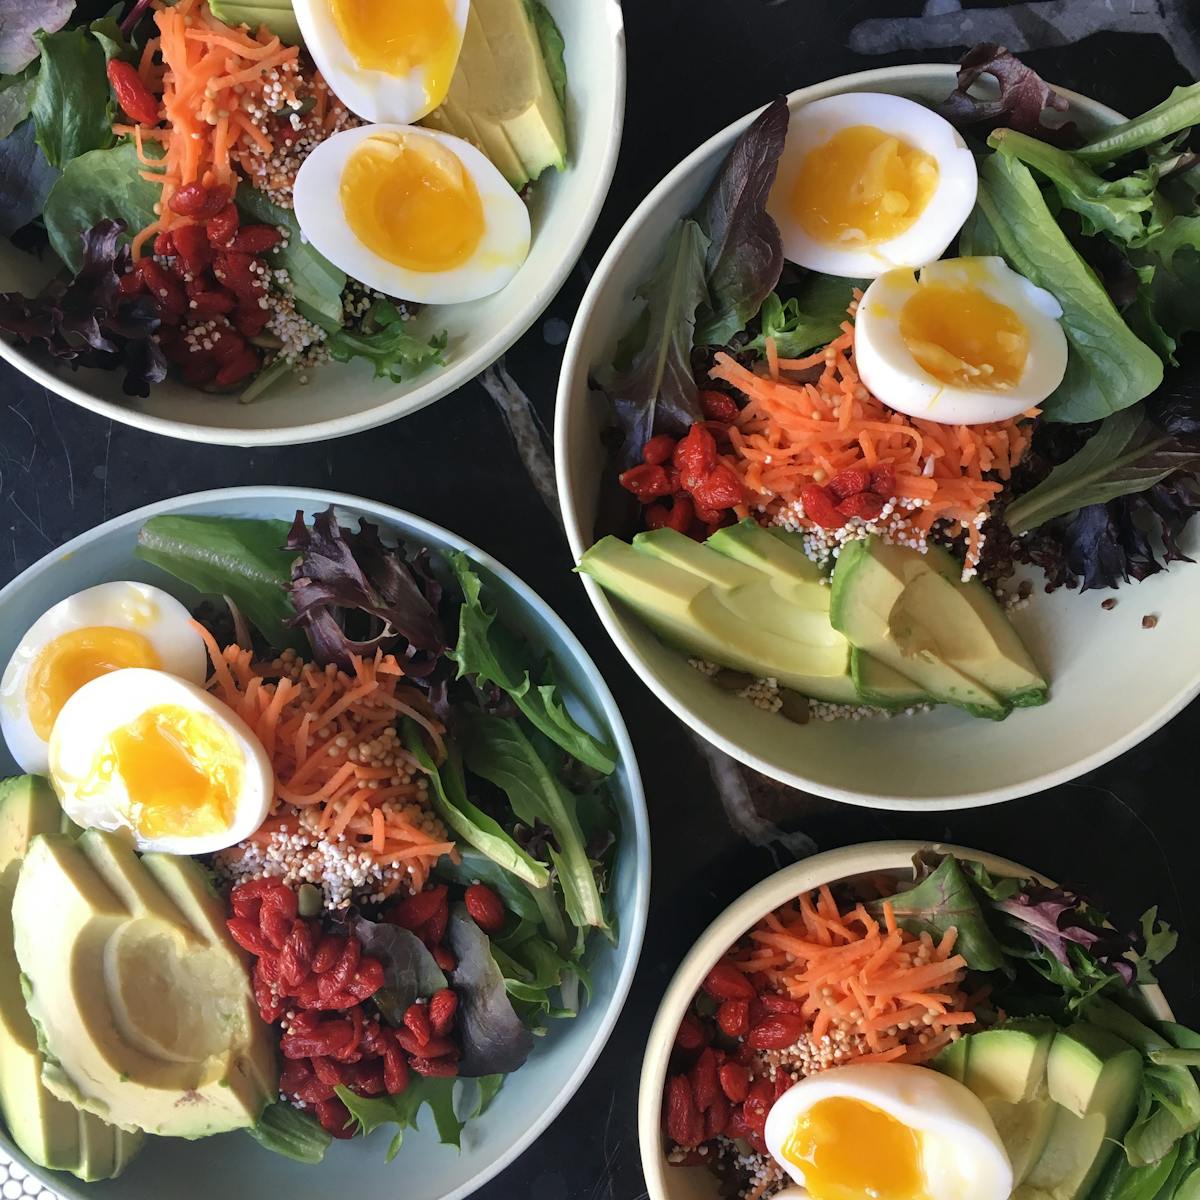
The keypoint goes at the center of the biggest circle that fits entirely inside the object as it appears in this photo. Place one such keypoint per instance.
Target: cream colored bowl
(1112, 682)
(667, 1182)
(344, 399)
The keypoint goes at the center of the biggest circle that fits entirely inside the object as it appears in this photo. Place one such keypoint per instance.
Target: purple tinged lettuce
(19, 21)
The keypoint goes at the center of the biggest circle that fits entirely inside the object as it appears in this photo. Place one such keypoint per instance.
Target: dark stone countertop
(1126, 831)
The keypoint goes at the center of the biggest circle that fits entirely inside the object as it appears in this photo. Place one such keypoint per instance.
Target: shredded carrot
(793, 432)
(334, 771)
(890, 995)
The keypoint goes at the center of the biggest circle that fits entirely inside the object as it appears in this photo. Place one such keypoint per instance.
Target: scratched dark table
(1127, 831)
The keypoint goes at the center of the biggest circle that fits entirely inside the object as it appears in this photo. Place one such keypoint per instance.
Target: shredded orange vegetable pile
(314, 728)
(794, 433)
(209, 78)
(837, 964)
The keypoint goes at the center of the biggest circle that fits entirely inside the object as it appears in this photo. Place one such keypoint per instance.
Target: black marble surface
(1128, 831)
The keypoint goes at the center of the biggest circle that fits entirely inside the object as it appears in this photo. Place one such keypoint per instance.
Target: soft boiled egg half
(145, 753)
(386, 60)
(868, 182)
(888, 1131)
(89, 634)
(963, 342)
(413, 213)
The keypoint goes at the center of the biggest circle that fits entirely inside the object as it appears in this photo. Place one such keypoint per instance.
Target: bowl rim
(828, 867)
(571, 400)
(436, 387)
(633, 927)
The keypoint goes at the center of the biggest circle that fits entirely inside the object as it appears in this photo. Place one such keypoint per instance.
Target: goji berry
(695, 456)
(719, 489)
(199, 370)
(414, 911)
(820, 508)
(327, 1071)
(432, 1047)
(444, 958)
(164, 244)
(165, 288)
(196, 200)
(221, 228)
(134, 97)
(681, 514)
(734, 1080)
(705, 1087)
(773, 1003)
(131, 284)
(236, 272)
(777, 1032)
(206, 305)
(883, 480)
(692, 1034)
(445, 1068)
(866, 505)
(733, 1017)
(328, 953)
(737, 1126)
(684, 1124)
(646, 481)
(443, 1005)
(368, 979)
(191, 245)
(416, 1021)
(367, 1078)
(250, 318)
(849, 482)
(334, 1117)
(240, 368)
(726, 982)
(657, 516)
(255, 239)
(658, 449)
(248, 935)
(718, 406)
(485, 908)
(716, 1118)
(435, 928)
(758, 1103)
(395, 1070)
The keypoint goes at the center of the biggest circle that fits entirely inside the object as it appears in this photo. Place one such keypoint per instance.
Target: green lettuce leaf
(1109, 368)
(498, 750)
(469, 822)
(1179, 111)
(72, 107)
(476, 867)
(16, 100)
(229, 556)
(491, 653)
(383, 339)
(810, 317)
(285, 1130)
(99, 185)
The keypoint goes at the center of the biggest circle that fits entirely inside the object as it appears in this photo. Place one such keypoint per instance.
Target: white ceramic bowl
(235, 1167)
(1112, 682)
(339, 399)
(667, 1182)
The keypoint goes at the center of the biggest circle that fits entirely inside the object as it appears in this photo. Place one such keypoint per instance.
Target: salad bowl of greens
(535, 1000)
(336, 345)
(1076, 552)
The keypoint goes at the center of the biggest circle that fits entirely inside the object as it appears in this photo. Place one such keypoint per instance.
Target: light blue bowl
(232, 1167)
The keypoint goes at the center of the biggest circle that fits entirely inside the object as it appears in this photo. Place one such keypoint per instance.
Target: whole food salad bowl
(262, 224)
(359, 847)
(902, 1019)
(904, 395)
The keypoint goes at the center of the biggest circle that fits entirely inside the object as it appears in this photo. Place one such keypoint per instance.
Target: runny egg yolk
(409, 199)
(398, 37)
(72, 659)
(181, 770)
(849, 1149)
(963, 337)
(863, 186)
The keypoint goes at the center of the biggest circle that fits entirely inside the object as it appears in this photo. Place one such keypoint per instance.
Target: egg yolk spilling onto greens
(72, 659)
(410, 200)
(863, 186)
(963, 337)
(848, 1149)
(181, 771)
(398, 37)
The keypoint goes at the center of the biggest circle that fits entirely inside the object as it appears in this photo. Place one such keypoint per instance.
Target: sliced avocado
(871, 605)
(952, 1060)
(750, 543)
(508, 85)
(276, 15)
(1094, 1078)
(993, 651)
(142, 1019)
(744, 623)
(48, 1130)
(880, 685)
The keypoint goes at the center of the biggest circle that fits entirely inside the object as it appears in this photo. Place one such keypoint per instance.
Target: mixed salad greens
(158, 154)
(1051, 1076)
(420, 882)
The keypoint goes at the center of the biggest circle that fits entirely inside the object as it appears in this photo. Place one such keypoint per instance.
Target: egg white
(113, 701)
(928, 236)
(161, 619)
(962, 1156)
(373, 95)
(887, 368)
(498, 257)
